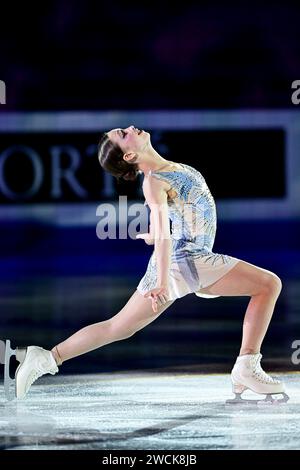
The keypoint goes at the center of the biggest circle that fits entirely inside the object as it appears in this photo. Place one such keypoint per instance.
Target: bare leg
(257, 318)
(263, 287)
(135, 315)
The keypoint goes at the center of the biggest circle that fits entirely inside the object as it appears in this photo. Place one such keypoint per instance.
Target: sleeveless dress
(193, 228)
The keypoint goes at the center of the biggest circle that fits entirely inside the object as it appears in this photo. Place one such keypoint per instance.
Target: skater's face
(130, 140)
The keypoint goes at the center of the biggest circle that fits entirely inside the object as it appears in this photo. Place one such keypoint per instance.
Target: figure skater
(181, 263)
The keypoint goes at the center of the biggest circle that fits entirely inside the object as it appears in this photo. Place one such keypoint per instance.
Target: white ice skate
(248, 374)
(37, 362)
(34, 362)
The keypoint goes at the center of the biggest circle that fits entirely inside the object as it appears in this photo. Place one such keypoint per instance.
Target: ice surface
(146, 410)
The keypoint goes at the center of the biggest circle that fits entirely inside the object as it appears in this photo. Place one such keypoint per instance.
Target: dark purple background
(131, 55)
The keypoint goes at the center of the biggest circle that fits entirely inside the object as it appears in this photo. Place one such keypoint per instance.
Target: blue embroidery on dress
(190, 240)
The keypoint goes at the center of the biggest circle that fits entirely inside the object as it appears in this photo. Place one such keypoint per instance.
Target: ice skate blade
(5, 355)
(268, 400)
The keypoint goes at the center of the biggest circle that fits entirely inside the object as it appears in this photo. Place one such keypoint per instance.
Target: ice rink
(137, 410)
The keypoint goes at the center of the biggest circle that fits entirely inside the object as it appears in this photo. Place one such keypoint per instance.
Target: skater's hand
(158, 296)
(146, 237)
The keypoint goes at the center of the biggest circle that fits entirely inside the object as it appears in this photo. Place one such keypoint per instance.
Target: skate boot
(35, 363)
(248, 374)
(6, 353)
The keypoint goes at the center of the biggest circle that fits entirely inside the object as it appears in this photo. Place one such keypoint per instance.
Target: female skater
(182, 262)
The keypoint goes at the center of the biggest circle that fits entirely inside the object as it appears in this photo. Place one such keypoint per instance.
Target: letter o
(38, 172)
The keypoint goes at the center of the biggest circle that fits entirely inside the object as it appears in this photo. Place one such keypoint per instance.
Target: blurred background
(213, 83)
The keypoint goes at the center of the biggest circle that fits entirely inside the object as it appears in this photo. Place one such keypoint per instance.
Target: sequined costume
(193, 228)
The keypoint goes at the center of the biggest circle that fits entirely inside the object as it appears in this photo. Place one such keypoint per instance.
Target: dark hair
(111, 159)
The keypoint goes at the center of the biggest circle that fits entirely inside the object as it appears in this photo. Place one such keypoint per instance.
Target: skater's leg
(257, 318)
(135, 315)
(263, 287)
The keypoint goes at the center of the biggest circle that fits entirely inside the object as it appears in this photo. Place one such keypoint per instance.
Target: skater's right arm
(156, 196)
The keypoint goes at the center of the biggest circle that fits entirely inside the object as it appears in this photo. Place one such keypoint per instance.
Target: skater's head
(120, 150)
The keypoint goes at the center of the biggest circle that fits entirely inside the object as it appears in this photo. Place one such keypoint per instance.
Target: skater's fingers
(142, 235)
(163, 293)
(146, 237)
(153, 297)
(151, 292)
(162, 298)
(154, 303)
(157, 296)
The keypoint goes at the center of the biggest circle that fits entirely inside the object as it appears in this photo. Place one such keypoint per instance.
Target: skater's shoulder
(155, 190)
(152, 185)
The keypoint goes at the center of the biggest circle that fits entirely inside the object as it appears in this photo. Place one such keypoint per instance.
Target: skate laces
(259, 373)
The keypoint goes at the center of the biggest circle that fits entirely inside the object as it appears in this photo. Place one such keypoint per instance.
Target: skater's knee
(271, 284)
(120, 331)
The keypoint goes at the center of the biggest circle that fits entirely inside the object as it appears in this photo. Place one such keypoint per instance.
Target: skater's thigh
(244, 279)
(137, 312)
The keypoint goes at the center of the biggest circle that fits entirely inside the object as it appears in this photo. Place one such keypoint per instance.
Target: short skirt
(190, 274)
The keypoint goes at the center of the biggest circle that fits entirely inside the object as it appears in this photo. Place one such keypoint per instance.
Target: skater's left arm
(148, 237)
